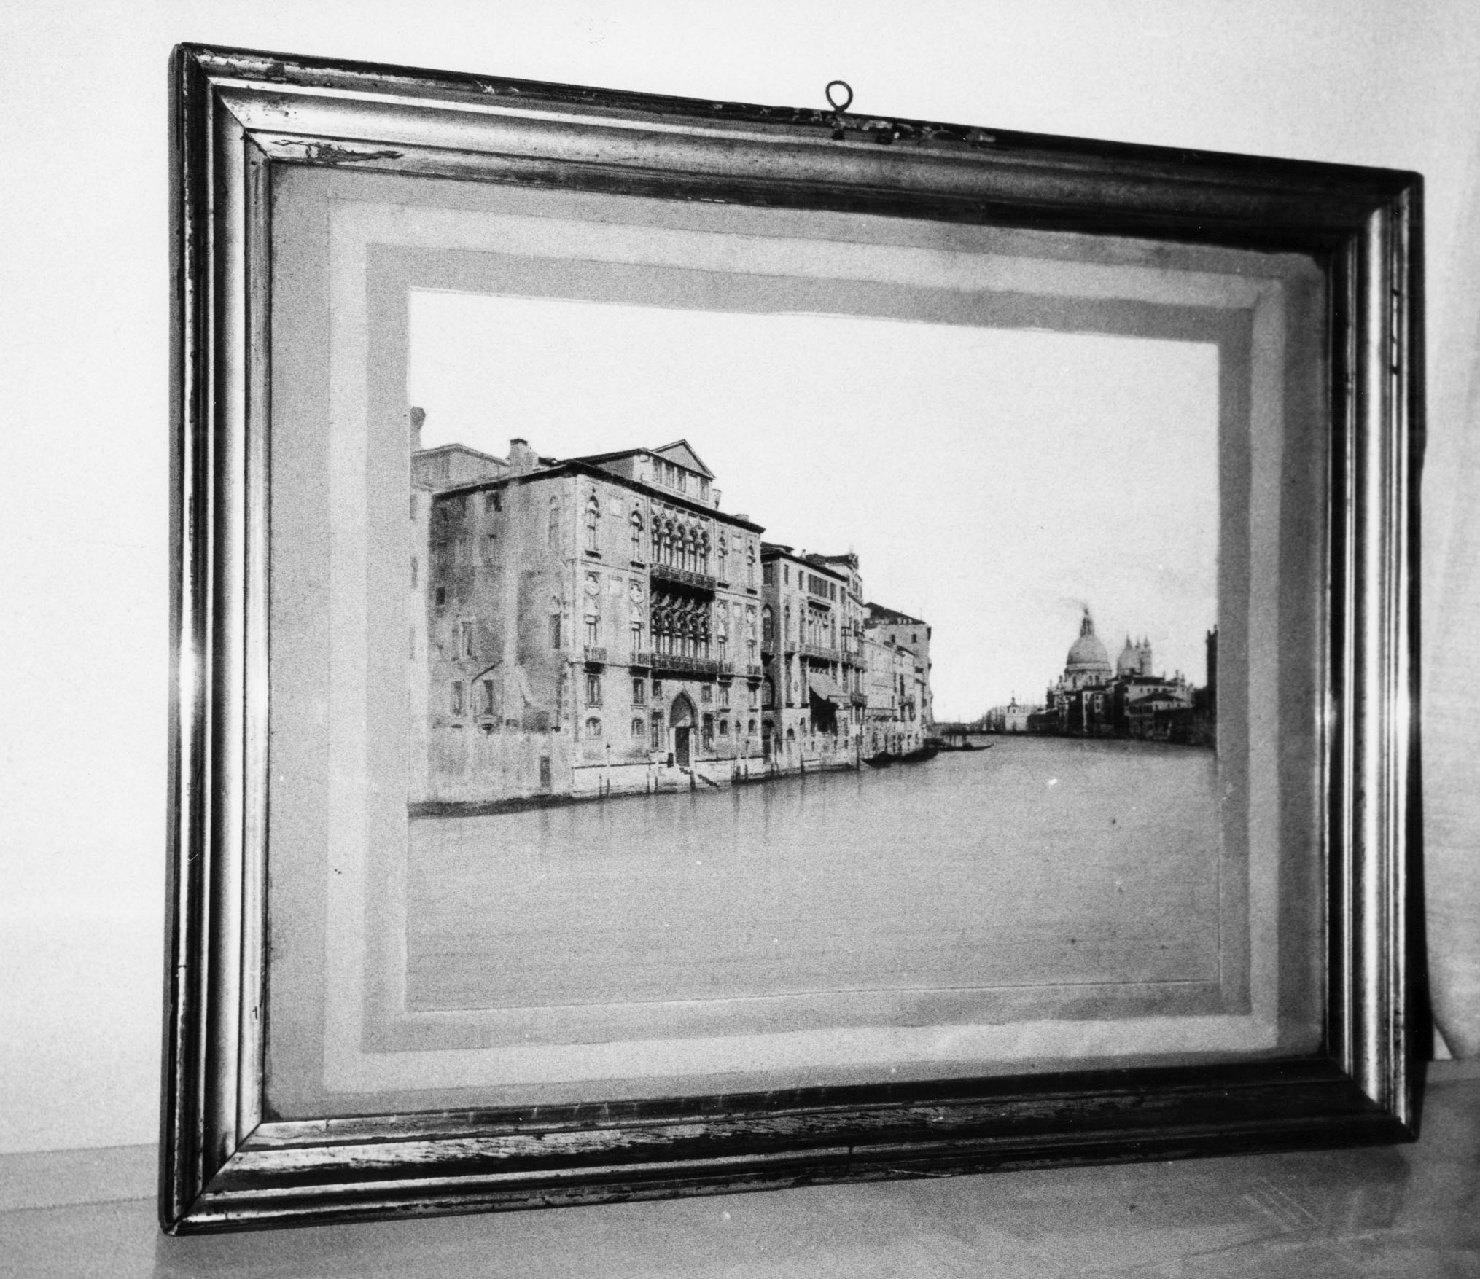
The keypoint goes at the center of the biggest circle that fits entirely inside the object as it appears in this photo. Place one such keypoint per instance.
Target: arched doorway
(681, 719)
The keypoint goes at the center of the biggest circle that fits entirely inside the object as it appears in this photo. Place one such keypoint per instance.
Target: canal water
(1039, 861)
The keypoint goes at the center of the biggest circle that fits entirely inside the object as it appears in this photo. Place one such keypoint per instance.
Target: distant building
(912, 634)
(896, 684)
(1091, 699)
(1013, 717)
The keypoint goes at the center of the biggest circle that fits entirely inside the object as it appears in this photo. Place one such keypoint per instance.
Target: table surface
(1409, 1210)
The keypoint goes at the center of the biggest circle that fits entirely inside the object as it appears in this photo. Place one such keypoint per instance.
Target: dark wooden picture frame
(239, 116)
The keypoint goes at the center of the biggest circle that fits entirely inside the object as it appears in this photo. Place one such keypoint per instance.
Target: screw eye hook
(839, 97)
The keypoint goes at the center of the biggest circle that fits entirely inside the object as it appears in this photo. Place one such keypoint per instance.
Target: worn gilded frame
(235, 117)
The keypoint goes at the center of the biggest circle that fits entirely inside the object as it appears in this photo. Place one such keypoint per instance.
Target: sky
(991, 481)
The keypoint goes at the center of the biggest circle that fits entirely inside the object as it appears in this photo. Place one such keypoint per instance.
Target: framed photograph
(720, 647)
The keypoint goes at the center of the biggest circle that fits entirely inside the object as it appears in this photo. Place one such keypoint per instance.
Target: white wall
(84, 341)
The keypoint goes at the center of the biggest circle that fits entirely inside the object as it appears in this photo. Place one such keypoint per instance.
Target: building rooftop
(891, 617)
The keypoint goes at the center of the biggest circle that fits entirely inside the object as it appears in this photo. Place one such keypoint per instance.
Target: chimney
(522, 458)
(715, 492)
(418, 418)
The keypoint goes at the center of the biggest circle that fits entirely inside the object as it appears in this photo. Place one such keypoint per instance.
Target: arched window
(769, 688)
(722, 553)
(768, 624)
(636, 523)
(593, 523)
(704, 552)
(593, 727)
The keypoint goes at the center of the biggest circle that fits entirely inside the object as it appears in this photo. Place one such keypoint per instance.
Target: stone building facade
(600, 624)
(896, 682)
(592, 625)
(814, 695)
(890, 626)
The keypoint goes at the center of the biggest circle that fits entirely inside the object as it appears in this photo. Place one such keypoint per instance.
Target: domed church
(1088, 662)
(1127, 699)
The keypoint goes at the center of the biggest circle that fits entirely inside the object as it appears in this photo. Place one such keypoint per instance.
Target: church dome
(1130, 660)
(1087, 654)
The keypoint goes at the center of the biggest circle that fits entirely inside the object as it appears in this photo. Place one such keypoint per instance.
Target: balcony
(675, 664)
(754, 670)
(595, 655)
(684, 577)
(640, 660)
(819, 651)
(726, 670)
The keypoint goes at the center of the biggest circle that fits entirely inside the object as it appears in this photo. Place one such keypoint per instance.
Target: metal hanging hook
(839, 107)
(846, 96)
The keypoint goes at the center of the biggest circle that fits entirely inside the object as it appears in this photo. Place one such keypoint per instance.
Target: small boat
(881, 760)
(919, 755)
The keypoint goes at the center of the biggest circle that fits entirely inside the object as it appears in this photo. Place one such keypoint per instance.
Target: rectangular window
(466, 637)
(724, 694)
(786, 574)
(441, 595)
(593, 690)
(593, 629)
(413, 506)
(554, 629)
(706, 694)
(413, 572)
(488, 702)
(639, 691)
(657, 738)
(493, 500)
(708, 734)
(457, 697)
(637, 729)
(657, 689)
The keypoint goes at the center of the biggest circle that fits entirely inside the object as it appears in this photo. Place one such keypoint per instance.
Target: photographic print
(722, 649)
(793, 772)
